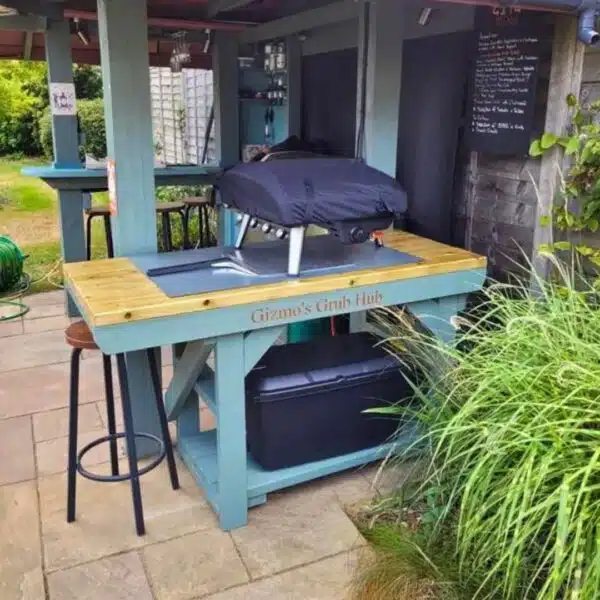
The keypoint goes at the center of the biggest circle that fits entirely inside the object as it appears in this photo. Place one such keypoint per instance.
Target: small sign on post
(62, 99)
(112, 186)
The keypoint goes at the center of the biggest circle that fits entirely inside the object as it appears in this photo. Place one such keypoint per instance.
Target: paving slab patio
(300, 545)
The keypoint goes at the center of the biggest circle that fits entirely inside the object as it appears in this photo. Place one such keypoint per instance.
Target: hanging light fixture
(181, 54)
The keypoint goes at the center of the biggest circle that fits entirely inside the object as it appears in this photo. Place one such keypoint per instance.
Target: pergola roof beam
(26, 23)
(214, 7)
(318, 17)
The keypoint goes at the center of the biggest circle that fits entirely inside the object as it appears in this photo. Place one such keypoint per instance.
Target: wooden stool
(165, 210)
(91, 213)
(203, 206)
(79, 337)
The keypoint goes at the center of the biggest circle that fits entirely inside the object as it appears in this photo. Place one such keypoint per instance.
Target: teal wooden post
(380, 27)
(231, 431)
(227, 121)
(123, 31)
(66, 149)
(294, 85)
(380, 44)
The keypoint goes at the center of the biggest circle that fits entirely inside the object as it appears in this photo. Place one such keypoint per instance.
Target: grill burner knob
(253, 223)
(266, 227)
(238, 218)
(358, 235)
(280, 234)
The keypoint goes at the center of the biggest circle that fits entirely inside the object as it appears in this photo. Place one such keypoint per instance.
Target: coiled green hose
(12, 277)
(11, 264)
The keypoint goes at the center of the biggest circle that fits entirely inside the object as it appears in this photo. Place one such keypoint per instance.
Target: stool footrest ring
(125, 476)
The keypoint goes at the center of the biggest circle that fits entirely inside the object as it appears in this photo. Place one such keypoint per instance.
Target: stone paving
(301, 545)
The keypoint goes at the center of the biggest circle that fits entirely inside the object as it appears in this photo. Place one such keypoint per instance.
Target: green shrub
(45, 133)
(91, 120)
(512, 440)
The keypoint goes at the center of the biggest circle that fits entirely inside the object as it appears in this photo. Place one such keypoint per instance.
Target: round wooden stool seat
(168, 207)
(197, 201)
(98, 211)
(78, 335)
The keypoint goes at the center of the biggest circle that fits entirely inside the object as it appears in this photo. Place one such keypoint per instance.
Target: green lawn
(29, 215)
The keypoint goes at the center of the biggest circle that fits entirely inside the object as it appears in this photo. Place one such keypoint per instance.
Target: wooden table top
(114, 291)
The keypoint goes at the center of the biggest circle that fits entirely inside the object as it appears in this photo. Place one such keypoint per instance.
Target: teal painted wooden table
(96, 180)
(128, 312)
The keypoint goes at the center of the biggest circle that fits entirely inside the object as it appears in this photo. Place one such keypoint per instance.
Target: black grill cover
(318, 191)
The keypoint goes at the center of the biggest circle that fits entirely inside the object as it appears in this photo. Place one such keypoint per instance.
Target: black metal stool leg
(110, 413)
(88, 237)
(182, 215)
(131, 449)
(109, 241)
(164, 426)
(73, 416)
(166, 231)
(186, 227)
(201, 241)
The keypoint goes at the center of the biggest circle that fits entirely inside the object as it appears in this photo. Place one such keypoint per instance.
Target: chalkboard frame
(508, 23)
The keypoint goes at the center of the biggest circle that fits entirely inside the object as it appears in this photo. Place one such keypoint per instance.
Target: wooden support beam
(65, 142)
(565, 78)
(52, 9)
(214, 7)
(123, 30)
(28, 23)
(27, 45)
(227, 128)
(380, 77)
(294, 85)
(318, 17)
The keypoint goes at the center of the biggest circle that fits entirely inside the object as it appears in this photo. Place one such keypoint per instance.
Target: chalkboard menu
(503, 79)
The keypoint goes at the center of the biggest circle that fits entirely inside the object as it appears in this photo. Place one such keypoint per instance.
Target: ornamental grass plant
(510, 430)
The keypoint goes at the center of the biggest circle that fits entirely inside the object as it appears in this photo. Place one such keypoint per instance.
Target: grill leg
(243, 231)
(73, 416)
(110, 413)
(163, 419)
(295, 251)
(131, 450)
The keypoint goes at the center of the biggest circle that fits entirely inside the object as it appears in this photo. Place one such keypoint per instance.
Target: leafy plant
(91, 118)
(578, 209)
(511, 433)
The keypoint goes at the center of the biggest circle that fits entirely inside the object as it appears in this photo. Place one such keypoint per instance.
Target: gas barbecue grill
(345, 196)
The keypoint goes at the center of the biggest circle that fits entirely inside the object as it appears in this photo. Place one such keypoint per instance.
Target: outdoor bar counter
(128, 312)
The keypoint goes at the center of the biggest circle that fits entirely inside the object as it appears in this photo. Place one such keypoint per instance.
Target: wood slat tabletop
(113, 291)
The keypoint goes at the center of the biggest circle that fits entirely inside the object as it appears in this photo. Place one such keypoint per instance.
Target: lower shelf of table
(199, 452)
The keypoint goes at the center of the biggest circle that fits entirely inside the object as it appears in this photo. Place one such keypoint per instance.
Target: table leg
(231, 432)
(72, 234)
(436, 314)
(141, 391)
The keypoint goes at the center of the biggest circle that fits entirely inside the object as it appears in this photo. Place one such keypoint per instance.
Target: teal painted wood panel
(65, 143)
(231, 431)
(123, 33)
(210, 324)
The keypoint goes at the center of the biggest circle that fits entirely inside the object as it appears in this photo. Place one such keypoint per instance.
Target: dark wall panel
(329, 99)
(434, 75)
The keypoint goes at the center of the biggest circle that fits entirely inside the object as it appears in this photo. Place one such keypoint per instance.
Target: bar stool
(203, 206)
(91, 214)
(165, 210)
(79, 337)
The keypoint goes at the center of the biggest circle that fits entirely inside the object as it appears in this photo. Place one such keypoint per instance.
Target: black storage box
(305, 401)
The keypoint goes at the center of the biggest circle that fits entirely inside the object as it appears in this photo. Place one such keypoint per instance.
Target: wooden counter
(115, 291)
(128, 312)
